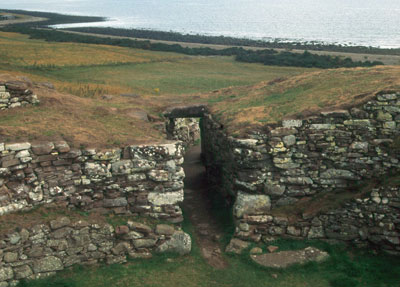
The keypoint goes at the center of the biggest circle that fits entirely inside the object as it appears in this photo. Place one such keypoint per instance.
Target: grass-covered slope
(83, 74)
(242, 95)
(244, 108)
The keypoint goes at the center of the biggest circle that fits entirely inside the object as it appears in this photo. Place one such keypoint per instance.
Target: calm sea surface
(361, 22)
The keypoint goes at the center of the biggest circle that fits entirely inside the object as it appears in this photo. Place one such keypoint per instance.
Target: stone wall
(143, 179)
(298, 159)
(14, 94)
(374, 218)
(186, 130)
(47, 248)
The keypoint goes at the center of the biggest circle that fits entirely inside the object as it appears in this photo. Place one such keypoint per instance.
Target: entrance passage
(197, 206)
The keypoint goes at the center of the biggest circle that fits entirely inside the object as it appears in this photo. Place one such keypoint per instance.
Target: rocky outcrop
(46, 248)
(299, 159)
(16, 94)
(142, 179)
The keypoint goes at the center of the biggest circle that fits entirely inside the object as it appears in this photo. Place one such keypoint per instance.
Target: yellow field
(18, 50)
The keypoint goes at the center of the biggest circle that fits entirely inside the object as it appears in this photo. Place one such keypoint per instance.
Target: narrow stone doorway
(183, 124)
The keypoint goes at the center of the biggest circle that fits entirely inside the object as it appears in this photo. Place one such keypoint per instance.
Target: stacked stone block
(46, 248)
(374, 218)
(13, 95)
(139, 180)
(186, 130)
(297, 159)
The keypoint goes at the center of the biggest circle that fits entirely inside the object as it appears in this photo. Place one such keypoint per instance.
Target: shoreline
(56, 19)
(245, 50)
(386, 59)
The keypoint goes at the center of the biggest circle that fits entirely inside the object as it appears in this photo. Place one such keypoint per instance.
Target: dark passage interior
(203, 205)
(199, 209)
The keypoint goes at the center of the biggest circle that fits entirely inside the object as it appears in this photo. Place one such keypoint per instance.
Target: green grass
(136, 70)
(346, 267)
(246, 108)
(174, 77)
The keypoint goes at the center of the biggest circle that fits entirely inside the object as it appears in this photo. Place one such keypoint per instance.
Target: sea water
(352, 22)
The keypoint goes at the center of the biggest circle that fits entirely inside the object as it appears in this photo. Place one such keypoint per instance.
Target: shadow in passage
(198, 206)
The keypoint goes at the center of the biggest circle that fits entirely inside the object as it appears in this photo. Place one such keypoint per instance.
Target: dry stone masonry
(138, 180)
(14, 94)
(186, 130)
(46, 248)
(302, 158)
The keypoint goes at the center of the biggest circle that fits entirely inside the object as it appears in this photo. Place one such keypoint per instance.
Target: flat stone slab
(190, 111)
(285, 259)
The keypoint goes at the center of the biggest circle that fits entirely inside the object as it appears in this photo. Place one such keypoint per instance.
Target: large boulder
(180, 243)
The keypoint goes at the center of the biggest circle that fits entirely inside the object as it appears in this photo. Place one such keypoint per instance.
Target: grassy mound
(244, 108)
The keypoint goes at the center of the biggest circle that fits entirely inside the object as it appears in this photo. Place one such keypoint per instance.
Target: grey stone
(289, 140)
(285, 259)
(18, 146)
(115, 202)
(144, 243)
(15, 105)
(22, 272)
(236, 246)
(292, 123)
(180, 243)
(122, 167)
(10, 257)
(159, 175)
(60, 222)
(338, 174)
(322, 126)
(382, 116)
(42, 148)
(47, 264)
(190, 111)
(14, 238)
(167, 198)
(251, 204)
(22, 154)
(316, 232)
(274, 189)
(140, 227)
(165, 229)
(6, 273)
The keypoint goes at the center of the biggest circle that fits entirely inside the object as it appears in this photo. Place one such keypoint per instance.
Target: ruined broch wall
(46, 248)
(301, 159)
(13, 95)
(139, 180)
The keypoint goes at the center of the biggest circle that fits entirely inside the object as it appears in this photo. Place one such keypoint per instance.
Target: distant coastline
(56, 19)
(311, 54)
